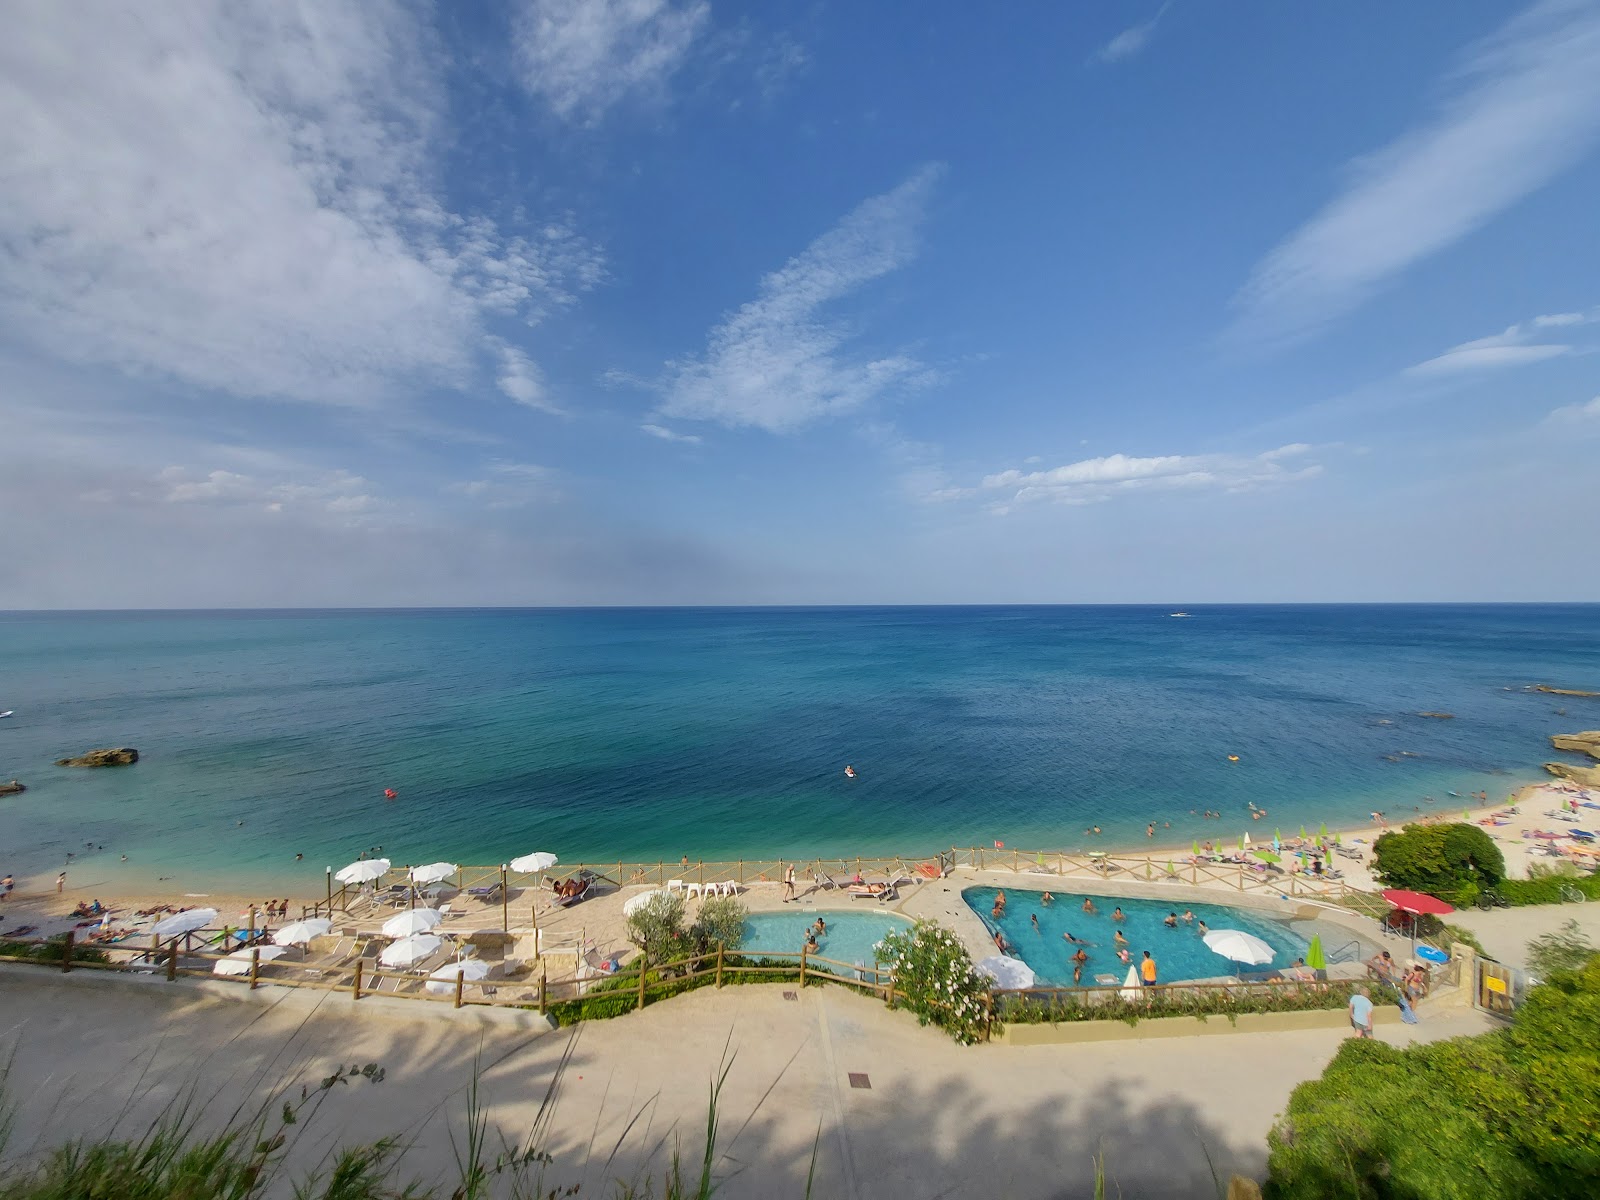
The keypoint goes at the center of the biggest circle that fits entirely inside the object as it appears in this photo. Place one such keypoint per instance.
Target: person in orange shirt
(1147, 969)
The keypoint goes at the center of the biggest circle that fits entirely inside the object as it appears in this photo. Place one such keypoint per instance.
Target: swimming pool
(1179, 953)
(849, 939)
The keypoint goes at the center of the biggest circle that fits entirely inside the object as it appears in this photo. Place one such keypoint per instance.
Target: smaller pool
(849, 939)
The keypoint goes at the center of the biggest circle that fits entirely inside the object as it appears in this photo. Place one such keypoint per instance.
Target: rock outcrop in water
(1587, 742)
(1583, 776)
(122, 756)
(13, 788)
(1441, 716)
(1555, 691)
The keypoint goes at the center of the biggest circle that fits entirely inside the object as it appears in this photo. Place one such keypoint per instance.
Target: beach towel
(1407, 1013)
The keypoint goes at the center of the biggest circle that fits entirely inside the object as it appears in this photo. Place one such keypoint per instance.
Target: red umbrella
(1417, 902)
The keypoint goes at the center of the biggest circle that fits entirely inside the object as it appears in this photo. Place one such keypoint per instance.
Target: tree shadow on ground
(606, 1105)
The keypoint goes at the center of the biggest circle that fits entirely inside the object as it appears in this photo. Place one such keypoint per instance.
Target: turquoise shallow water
(606, 734)
(1179, 953)
(850, 936)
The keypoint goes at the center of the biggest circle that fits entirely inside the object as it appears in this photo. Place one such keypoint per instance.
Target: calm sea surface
(606, 734)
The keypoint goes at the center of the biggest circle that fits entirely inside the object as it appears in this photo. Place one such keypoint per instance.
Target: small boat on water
(1178, 614)
(5, 714)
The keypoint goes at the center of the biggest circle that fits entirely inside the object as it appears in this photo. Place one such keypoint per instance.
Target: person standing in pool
(1147, 970)
(1118, 915)
(1188, 916)
(1171, 921)
(1047, 899)
(1201, 926)
(1078, 960)
(1088, 906)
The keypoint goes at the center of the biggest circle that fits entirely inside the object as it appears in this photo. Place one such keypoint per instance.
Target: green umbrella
(1171, 870)
(1267, 856)
(1276, 836)
(1315, 958)
(1322, 830)
(1302, 833)
(1241, 843)
(1337, 840)
(1195, 846)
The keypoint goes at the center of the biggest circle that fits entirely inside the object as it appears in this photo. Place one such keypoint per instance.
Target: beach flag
(999, 845)
(1315, 958)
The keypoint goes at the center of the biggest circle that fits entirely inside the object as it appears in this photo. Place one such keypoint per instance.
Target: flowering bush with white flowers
(932, 970)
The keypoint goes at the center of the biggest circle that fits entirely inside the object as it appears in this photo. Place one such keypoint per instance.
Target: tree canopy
(1454, 862)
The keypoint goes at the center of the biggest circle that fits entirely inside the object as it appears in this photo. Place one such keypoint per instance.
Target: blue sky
(638, 301)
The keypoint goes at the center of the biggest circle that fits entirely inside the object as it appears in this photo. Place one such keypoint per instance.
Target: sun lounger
(579, 898)
(870, 891)
(492, 892)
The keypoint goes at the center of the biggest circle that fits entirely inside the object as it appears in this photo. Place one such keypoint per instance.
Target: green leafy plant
(1546, 883)
(932, 970)
(656, 927)
(51, 951)
(1439, 859)
(1567, 949)
(720, 921)
(1071, 1005)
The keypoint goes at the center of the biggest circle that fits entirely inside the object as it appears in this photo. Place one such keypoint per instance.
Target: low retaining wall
(1072, 1032)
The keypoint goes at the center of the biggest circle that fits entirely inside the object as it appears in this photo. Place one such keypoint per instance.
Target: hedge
(1064, 1007)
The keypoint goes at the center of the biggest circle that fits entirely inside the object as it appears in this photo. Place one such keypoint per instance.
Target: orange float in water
(389, 793)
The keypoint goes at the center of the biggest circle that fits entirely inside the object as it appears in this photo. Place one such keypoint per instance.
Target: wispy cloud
(668, 435)
(1518, 345)
(1523, 106)
(1095, 480)
(1577, 414)
(520, 379)
(1132, 40)
(583, 56)
(245, 199)
(778, 362)
(508, 485)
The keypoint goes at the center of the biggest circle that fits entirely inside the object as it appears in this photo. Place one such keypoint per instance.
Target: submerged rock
(1587, 742)
(1584, 776)
(1439, 715)
(13, 788)
(1555, 691)
(122, 756)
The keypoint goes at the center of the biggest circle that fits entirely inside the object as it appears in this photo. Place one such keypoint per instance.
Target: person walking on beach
(61, 882)
(1361, 1013)
(788, 883)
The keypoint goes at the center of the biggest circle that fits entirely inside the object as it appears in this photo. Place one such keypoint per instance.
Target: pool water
(849, 939)
(1179, 953)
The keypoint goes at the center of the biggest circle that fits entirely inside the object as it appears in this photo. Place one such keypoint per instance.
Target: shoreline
(36, 901)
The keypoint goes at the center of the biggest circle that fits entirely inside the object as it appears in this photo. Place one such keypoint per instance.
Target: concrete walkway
(936, 1119)
(1506, 932)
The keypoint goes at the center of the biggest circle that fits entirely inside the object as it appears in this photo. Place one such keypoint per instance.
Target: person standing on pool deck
(788, 883)
(1147, 970)
(1361, 1013)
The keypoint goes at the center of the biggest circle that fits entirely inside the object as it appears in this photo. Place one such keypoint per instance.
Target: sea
(268, 740)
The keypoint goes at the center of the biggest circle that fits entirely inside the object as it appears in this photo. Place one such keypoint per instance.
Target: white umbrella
(418, 920)
(1240, 946)
(410, 949)
(1246, 840)
(1130, 985)
(433, 872)
(442, 981)
(634, 903)
(184, 922)
(302, 932)
(363, 871)
(1008, 972)
(238, 963)
(539, 861)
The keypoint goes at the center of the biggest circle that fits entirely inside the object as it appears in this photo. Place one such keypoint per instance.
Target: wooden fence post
(719, 964)
(255, 965)
(355, 988)
(543, 977)
(802, 966)
(889, 992)
(641, 980)
(172, 961)
(66, 956)
(461, 982)
(988, 1014)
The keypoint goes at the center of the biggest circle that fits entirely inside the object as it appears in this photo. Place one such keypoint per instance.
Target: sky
(685, 302)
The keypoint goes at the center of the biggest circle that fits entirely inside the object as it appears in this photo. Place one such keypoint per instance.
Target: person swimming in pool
(1076, 941)
(1188, 916)
(1047, 899)
(1078, 961)
(1201, 926)
(1088, 906)
(1118, 940)
(1118, 915)
(1124, 955)
(1035, 920)
(1171, 920)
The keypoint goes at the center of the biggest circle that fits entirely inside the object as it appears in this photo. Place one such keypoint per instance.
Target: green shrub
(1545, 883)
(1067, 1006)
(933, 971)
(1449, 935)
(51, 951)
(656, 927)
(1439, 859)
(1520, 1120)
(720, 921)
(1567, 949)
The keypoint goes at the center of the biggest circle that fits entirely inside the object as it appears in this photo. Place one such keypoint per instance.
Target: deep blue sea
(611, 733)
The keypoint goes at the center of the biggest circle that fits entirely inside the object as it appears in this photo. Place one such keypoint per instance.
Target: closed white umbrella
(1240, 946)
(410, 949)
(238, 963)
(634, 903)
(433, 872)
(442, 981)
(184, 922)
(539, 861)
(1130, 985)
(418, 920)
(302, 932)
(364, 871)
(1006, 971)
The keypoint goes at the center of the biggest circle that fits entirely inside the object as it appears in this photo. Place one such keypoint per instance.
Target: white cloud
(583, 56)
(777, 363)
(509, 485)
(668, 435)
(1571, 413)
(520, 379)
(1093, 480)
(1514, 347)
(243, 198)
(1526, 105)
(338, 494)
(1131, 40)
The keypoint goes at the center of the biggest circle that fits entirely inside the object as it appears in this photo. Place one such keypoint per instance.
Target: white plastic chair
(675, 885)
(697, 889)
